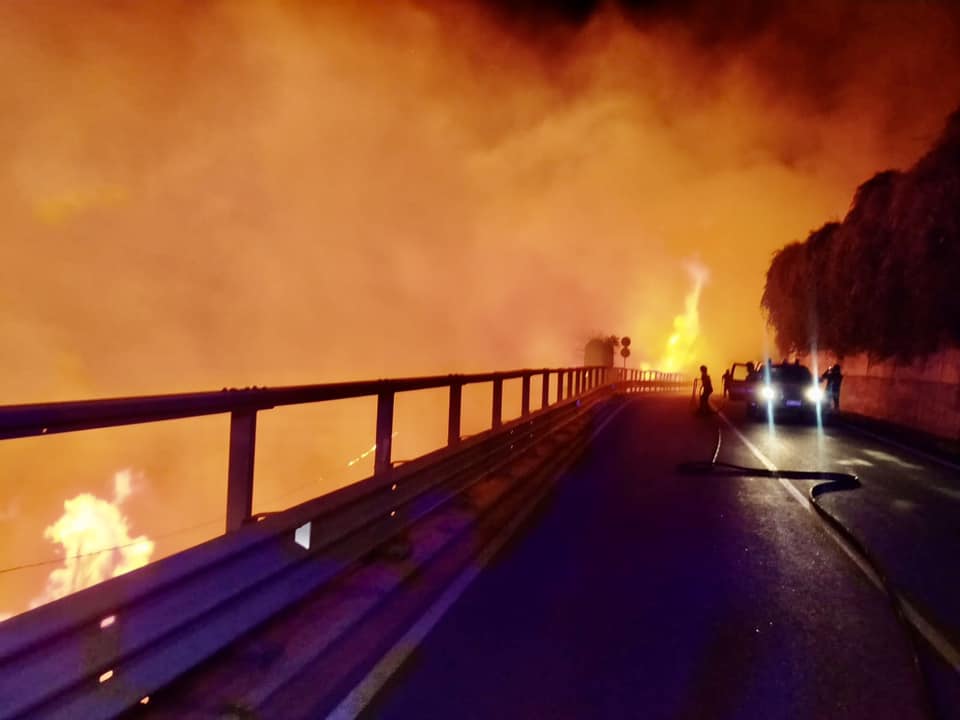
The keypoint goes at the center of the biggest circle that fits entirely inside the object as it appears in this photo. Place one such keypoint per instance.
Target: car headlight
(767, 393)
(814, 394)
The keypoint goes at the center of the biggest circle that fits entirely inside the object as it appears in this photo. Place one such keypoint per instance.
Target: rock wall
(924, 394)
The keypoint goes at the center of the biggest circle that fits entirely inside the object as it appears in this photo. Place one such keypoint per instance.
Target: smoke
(209, 194)
(241, 193)
(95, 537)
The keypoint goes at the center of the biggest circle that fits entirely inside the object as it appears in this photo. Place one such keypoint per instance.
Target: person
(706, 390)
(726, 383)
(834, 378)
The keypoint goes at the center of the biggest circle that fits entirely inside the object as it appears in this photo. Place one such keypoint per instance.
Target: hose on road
(831, 482)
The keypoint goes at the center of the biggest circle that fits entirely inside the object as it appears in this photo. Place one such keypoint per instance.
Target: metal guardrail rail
(101, 651)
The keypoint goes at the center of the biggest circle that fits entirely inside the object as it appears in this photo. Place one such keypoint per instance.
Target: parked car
(739, 384)
(786, 388)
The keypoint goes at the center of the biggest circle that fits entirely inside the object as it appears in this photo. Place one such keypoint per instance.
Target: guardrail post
(577, 381)
(497, 419)
(525, 400)
(382, 458)
(559, 386)
(453, 423)
(243, 440)
(569, 383)
(545, 391)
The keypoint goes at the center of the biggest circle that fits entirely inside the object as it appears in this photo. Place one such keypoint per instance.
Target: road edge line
(903, 446)
(364, 692)
(934, 638)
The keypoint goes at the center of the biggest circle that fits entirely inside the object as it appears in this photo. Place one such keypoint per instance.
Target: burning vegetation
(214, 193)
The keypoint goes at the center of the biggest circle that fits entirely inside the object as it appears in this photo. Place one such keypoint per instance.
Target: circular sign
(625, 352)
(625, 342)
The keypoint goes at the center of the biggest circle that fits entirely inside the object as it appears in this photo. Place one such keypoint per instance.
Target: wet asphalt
(640, 592)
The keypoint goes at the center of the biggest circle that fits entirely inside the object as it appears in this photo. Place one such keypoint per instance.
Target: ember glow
(208, 194)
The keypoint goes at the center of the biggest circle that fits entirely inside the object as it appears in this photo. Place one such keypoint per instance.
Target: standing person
(706, 390)
(726, 383)
(834, 378)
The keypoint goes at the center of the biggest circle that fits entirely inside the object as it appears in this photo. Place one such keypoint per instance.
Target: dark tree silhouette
(885, 281)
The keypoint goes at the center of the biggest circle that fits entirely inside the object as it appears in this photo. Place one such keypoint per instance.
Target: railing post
(559, 386)
(569, 383)
(577, 381)
(243, 440)
(525, 400)
(497, 419)
(453, 423)
(545, 391)
(382, 459)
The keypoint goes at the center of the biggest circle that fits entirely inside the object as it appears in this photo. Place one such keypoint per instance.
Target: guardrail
(18, 421)
(103, 650)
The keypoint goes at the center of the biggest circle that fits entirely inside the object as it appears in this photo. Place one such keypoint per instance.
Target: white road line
(943, 646)
(890, 441)
(361, 695)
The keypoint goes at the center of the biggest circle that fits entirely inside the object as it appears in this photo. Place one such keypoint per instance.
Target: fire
(679, 353)
(95, 537)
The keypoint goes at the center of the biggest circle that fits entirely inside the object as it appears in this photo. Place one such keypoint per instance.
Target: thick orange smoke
(198, 195)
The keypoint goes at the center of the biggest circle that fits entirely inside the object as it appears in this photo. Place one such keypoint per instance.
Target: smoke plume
(208, 194)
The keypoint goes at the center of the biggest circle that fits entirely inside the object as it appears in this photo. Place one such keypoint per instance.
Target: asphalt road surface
(640, 592)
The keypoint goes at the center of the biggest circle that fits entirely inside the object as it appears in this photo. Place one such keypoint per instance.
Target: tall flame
(681, 346)
(96, 541)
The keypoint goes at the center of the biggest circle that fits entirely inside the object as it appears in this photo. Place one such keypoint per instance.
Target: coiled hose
(832, 482)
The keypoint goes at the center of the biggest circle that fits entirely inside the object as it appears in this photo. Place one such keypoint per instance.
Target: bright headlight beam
(814, 394)
(767, 393)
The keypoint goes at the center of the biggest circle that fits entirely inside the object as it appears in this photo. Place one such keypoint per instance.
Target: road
(640, 592)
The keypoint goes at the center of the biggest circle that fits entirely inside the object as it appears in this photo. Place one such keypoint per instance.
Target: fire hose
(831, 482)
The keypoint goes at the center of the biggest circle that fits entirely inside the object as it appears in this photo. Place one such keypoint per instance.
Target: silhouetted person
(726, 383)
(751, 369)
(834, 378)
(706, 390)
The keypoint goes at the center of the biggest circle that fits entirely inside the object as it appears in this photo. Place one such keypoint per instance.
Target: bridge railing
(243, 404)
(107, 648)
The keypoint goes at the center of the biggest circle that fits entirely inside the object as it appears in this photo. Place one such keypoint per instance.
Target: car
(739, 383)
(785, 388)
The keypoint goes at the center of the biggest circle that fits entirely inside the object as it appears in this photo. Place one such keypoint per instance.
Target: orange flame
(96, 541)
(679, 353)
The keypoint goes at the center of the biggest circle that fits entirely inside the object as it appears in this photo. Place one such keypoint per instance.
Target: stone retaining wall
(924, 394)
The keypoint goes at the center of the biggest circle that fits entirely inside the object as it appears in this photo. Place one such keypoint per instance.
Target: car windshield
(790, 374)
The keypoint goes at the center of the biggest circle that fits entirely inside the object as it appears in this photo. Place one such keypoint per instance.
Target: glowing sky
(204, 194)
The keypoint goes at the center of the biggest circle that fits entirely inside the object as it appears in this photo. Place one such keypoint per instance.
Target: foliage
(884, 281)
